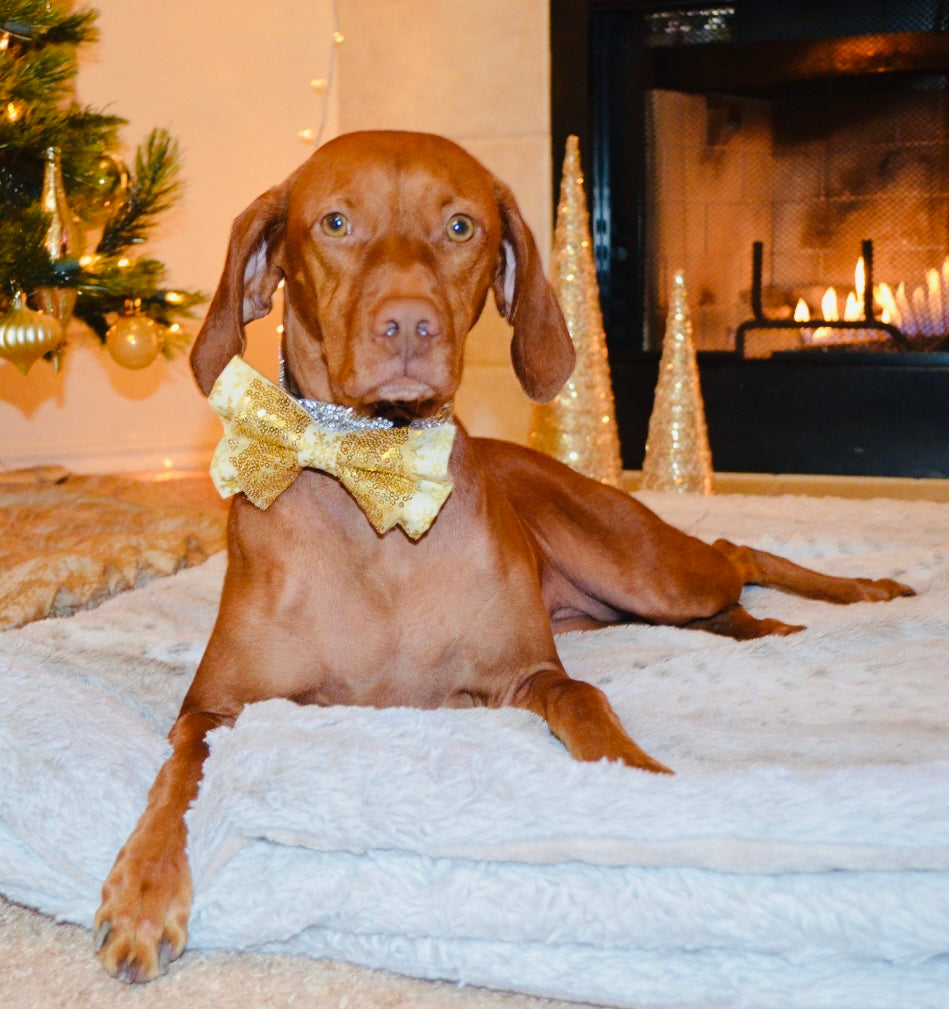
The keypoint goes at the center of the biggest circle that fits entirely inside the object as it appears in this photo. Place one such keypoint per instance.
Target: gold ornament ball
(110, 182)
(135, 340)
(25, 335)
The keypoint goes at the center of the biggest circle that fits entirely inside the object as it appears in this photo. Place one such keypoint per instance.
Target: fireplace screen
(792, 158)
(802, 221)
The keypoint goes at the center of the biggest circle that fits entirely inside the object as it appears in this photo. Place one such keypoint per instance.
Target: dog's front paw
(142, 924)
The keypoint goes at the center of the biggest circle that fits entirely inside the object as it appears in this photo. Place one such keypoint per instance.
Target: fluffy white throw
(800, 856)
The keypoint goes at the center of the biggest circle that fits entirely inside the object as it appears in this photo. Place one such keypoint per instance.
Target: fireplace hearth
(765, 147)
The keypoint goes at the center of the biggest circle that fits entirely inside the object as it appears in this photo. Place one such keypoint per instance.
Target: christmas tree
(71, 214)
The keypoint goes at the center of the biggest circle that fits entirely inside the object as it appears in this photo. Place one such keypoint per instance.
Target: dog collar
(348, 420)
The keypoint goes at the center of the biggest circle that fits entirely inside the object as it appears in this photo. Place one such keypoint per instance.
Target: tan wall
(478, 73)
(230, 79)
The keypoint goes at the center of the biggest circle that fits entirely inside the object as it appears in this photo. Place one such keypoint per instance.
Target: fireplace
(793, 159)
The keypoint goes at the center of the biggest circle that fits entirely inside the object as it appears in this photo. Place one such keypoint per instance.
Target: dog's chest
(447, 620)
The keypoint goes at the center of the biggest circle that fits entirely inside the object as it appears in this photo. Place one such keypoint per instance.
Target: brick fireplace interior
(810, 129)
(811, 179)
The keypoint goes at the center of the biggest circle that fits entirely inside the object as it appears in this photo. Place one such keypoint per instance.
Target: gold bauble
(578, 426)
(25, 335)
(110, 182)
(135, 340)
(678, 457)
(63, 239)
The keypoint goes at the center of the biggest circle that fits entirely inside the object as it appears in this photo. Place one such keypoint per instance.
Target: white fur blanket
(800, 857)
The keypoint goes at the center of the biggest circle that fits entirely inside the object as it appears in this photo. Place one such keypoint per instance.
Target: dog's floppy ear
(245, 290)
(541, 348)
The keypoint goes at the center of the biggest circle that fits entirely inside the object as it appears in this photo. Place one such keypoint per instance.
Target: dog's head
(388, 244)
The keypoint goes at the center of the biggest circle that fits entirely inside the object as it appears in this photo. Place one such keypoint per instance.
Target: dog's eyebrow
(460, 203)
(340, 200)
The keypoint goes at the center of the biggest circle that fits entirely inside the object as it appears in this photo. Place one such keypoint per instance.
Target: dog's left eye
(460, 228)
(335, 225)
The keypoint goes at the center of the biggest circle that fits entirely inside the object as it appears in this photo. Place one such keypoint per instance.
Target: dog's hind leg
(757, 567)
(736, 622)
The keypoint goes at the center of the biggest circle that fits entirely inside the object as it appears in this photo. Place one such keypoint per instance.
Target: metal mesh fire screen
(809, 128)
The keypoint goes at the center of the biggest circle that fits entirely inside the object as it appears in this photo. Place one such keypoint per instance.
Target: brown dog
(388, 244)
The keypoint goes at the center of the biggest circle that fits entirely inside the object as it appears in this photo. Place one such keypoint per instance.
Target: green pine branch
(108, 284)
(40, 60)
(154, 188)
(41, 80)
(36, 70)
(81, 134)
(36, 22)
(21, 251)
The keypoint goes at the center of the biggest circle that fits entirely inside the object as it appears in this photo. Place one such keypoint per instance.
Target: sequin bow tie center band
(398, 475)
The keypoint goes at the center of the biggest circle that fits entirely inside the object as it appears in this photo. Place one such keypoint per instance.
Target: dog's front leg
(143, 922)
(580, 716)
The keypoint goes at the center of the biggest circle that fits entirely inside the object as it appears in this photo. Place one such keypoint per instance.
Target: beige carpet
(51, 966)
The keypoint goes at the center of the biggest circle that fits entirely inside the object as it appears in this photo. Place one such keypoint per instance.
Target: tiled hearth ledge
(745, 483)
(819, 486)
(773, 484)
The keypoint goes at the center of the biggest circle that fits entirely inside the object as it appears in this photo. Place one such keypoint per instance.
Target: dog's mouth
(403, 401)
(401, 412)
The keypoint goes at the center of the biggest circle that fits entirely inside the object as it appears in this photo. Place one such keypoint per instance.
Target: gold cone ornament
(678, 457)
(25, 335)
(578, 426)
(63, 239)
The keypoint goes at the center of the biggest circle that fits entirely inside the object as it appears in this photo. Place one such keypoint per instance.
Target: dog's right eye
(335, 225)
(461, 228)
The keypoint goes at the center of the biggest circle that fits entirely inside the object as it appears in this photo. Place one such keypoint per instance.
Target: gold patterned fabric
(398, 475)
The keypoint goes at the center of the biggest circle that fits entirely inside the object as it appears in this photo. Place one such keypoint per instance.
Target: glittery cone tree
(578, 427)
(678, 457)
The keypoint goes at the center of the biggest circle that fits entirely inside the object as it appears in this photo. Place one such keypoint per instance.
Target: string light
(322, 86)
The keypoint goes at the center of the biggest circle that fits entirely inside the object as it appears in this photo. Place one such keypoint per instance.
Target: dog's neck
(347, 419)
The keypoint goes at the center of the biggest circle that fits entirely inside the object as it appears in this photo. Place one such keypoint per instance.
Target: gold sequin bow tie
(398, 475)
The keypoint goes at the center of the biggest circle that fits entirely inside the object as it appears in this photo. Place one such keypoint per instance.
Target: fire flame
(922, 312)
